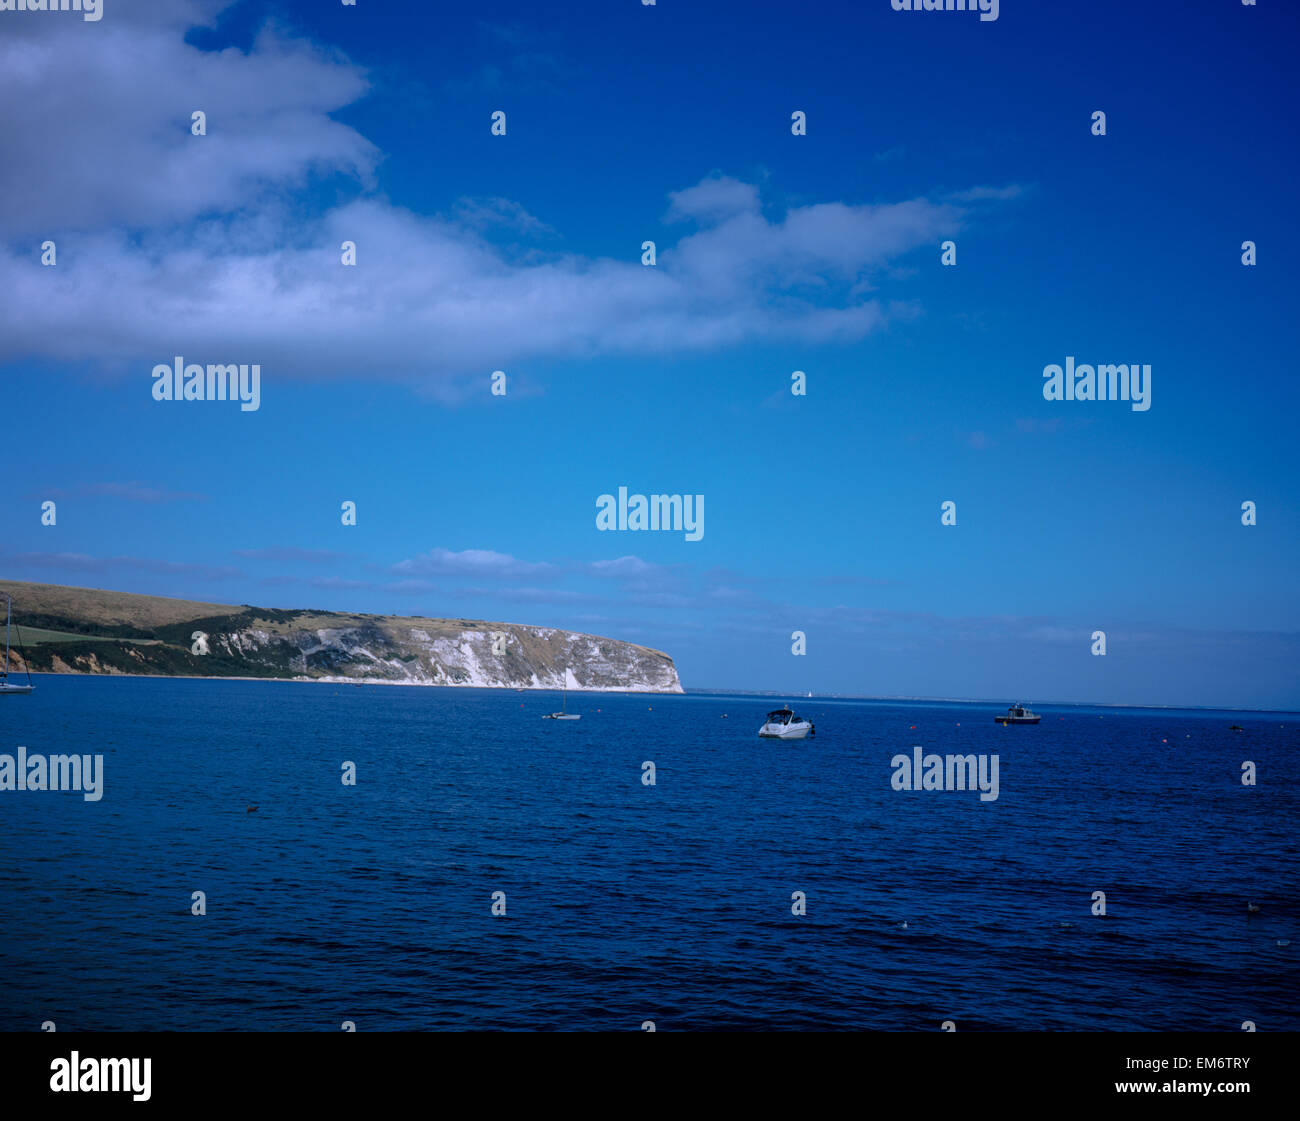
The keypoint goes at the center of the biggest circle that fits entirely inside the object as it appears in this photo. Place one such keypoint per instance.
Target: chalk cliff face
(84, 630)
(452, 652)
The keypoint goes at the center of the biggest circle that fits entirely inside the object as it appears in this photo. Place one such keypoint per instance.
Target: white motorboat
(7, 688)
(564, 713)
(783, 724)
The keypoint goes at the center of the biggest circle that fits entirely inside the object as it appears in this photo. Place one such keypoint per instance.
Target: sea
(491, 870)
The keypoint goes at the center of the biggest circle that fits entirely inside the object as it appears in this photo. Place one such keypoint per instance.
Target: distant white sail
(564, 713)
(6, 686)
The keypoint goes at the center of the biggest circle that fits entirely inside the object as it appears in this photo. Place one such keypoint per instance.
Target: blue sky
(776, 253)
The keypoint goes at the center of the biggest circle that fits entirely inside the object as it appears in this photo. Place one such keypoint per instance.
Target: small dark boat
(1018, 714)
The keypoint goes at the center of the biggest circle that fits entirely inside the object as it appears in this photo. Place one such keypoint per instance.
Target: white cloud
(429, 298)
(131, 492)
(292, 554)
(84, 563)
(171, 244)
(499, 213)
(988, 194)
(96, 131)
(623, 567)
(470, 562)
(714, 200)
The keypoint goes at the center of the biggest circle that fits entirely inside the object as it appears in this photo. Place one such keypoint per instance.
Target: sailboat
(5, 686)
(564, 713)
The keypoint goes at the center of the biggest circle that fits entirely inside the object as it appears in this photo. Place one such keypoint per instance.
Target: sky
(774, 253)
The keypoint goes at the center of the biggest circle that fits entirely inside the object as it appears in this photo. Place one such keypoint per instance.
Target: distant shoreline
(354, 681)
(757, 695)
(1000, 704)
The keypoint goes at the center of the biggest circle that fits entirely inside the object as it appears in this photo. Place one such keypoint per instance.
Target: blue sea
(628, 903)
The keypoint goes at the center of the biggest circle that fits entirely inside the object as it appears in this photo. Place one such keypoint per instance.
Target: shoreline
(999, 703)
(354, 681)
(699, 693)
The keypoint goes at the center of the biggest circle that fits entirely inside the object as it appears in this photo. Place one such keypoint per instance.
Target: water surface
(625, 902)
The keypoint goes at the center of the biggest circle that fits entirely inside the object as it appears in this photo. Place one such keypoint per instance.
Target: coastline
(354, 681)
(684, 692)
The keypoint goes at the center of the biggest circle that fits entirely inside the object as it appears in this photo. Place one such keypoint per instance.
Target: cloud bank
(208, 246)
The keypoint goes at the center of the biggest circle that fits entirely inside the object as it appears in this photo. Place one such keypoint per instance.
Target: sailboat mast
(9, 614)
